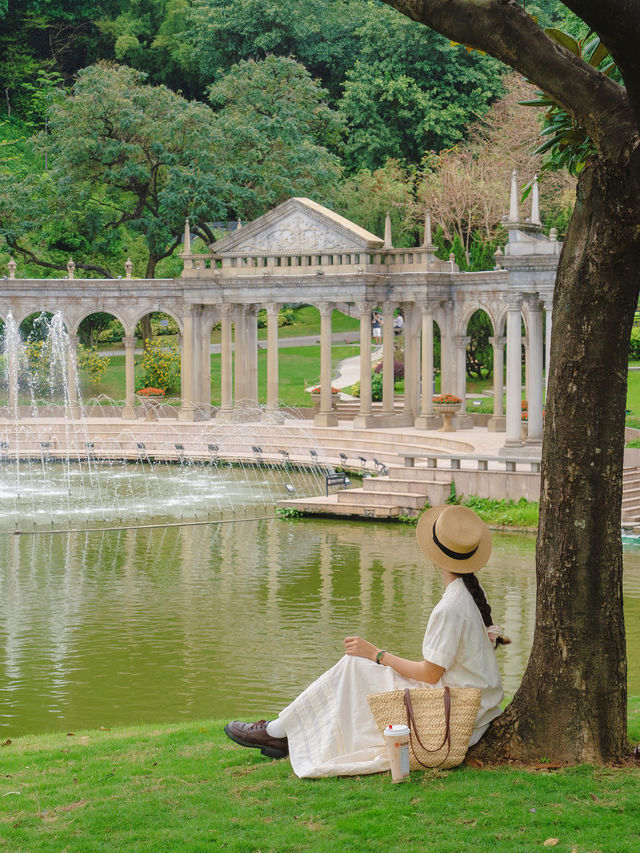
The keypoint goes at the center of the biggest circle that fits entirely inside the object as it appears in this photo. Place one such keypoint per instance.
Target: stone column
(514, 373)
(197, 357)
(205, 355)
(461, 368)
(129, 412)
(251, 319)
(186, 411)
(427, 419)
(272, 355)
(497, 423)
(326, 416)
(534, 428)
(240, 355)
(226, 356)
(72, 377)
(411, 360)
(387, 359)
(548, 305)
(365, 417)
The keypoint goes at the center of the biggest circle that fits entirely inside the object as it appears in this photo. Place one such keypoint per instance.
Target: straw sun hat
(454, 538)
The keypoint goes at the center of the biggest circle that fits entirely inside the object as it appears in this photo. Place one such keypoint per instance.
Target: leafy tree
(320, 35)
(410, 91)
(276, 130)
(572, 702)
(126, 154)
(365, 197)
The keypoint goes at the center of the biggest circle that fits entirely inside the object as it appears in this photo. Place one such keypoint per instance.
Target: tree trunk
(572, 703)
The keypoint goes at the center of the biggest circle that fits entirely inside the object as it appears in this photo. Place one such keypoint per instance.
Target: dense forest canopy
(344, 100)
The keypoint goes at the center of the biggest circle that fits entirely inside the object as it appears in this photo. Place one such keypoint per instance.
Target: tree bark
(572, 703)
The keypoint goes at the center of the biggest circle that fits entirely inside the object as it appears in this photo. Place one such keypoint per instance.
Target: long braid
(477, 593)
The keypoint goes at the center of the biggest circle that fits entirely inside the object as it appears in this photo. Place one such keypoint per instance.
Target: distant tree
(126, 154)
(276, 129)
(321, 35)
(365, 197)
(410, 91)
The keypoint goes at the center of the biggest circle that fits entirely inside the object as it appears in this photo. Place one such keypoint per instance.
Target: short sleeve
(442, 637)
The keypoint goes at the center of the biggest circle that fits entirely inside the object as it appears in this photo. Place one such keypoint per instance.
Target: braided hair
(477, 593)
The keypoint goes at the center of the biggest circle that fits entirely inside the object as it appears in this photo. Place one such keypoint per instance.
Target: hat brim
(424, 535)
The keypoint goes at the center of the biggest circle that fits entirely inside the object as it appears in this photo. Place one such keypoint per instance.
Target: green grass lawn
(298, 367)
(187, 787)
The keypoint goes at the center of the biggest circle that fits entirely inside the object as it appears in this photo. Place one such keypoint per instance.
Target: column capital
(388, 307)
(534, 302)
(73, 340)
(272, 309)
(129, 341)
(326, 309)
(364, 307)
(513, 301)
(427, 306)
(462, 341)
(188, 311)
(225, 309)
(497, 341)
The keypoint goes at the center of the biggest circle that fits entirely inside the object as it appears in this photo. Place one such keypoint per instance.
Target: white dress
(331, 730)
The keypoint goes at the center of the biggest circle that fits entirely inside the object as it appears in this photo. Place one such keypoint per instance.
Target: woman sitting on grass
(330, 731)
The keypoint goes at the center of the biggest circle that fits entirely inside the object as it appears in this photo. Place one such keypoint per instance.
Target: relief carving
(296, 233)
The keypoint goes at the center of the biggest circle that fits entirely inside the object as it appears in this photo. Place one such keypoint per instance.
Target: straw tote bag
(440, 721)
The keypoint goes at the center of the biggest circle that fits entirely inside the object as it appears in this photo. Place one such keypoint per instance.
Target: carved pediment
(298, 226)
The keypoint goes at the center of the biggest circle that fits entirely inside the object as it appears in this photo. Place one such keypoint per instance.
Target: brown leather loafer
(255, 735)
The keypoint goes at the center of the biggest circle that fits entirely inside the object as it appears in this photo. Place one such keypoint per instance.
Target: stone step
(373, 499)
(415, 487)
(330, 506)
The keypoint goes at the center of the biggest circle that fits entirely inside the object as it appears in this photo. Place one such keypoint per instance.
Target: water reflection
(231, 619)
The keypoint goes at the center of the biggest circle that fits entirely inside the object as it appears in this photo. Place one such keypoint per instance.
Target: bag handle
(411, 722)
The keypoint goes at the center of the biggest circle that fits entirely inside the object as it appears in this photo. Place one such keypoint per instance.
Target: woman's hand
(360, 648)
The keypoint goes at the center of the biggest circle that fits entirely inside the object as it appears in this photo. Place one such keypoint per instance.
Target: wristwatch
(379, 656)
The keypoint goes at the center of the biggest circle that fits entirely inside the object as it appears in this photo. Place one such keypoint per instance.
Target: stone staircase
(631, 494)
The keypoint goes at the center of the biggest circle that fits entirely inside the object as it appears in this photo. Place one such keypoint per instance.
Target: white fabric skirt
(330, 728)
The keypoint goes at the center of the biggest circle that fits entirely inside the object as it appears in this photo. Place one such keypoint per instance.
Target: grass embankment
(186, 787)
(521, 514)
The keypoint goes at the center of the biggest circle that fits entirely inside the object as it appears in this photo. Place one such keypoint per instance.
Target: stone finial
(128, 267)
(452, 261)
(553, 235)
(186, 248)
(426, 240)
(498, 255)
(239, 225)
(535, 202)
(514, 208)
(12, 268)
(71, 268)
(387, 232)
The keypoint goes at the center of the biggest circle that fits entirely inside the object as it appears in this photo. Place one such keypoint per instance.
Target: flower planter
(447, 410)
(315, 399)
(150, 405)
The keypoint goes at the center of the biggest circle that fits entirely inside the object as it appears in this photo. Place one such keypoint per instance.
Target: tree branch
(617, 22)
(503, 29)
(27, 253)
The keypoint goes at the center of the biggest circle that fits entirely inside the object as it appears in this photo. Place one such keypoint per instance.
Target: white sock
(275, 728)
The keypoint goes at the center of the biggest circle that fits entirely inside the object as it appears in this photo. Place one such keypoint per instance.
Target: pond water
(228, 619)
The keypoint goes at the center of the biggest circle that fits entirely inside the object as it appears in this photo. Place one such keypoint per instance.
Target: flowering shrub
(524, 406)
(90, 363)
(150, 392)
(398, 370)
(446, 398)
(160, 366)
